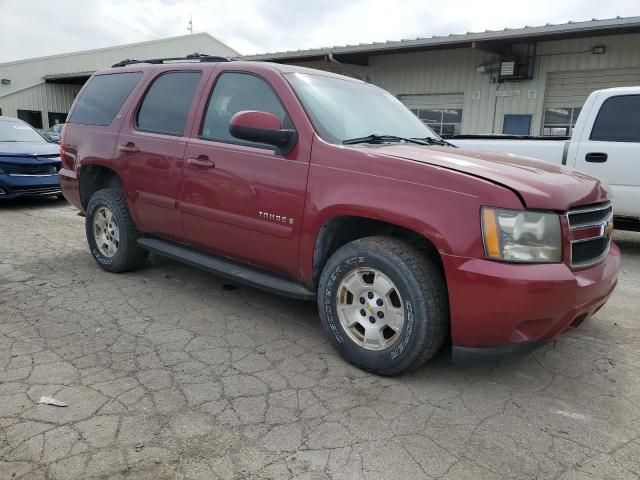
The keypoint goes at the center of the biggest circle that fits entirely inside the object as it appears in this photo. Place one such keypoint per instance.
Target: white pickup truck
(605, 143)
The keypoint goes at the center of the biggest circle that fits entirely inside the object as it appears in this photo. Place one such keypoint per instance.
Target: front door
(239, 199)
(152, 145)
(610, 150)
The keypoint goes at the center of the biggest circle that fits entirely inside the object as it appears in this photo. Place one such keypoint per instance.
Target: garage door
(443, 113)
(566, 93)
(571, 89)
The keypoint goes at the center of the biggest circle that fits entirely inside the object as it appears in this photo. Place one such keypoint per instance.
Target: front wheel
(111, 233)
(383, 304)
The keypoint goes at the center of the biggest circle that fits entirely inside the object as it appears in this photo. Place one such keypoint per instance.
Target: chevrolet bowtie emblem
(608, 232)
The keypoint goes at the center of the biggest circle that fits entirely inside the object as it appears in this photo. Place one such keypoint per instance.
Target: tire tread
(431, 285)
(133, 256)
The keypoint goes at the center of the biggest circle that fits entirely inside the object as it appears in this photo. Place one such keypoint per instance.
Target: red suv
(326, 188)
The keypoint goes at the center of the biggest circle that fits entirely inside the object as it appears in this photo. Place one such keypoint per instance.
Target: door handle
(202, 161)
(596, 157)
(129, 148)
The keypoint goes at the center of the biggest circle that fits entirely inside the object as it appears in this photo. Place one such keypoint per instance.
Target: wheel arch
(338, 230)
(95, 177)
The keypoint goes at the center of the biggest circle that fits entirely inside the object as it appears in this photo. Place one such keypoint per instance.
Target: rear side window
(166, 105)
(103, 97)
(618, 120)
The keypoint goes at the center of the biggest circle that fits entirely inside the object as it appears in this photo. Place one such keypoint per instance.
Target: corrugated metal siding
(441, 72)
(354, 71)
(58, 98)
(30, 71)
(571, 89)
(454, 70)
(45, 97)
(447, 100)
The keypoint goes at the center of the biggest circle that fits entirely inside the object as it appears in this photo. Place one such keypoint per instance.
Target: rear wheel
(111, 233)
(383, 304)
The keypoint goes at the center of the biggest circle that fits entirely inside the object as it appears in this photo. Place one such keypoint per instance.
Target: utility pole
(190, 27)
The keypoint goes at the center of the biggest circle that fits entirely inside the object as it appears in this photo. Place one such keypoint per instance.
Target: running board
(226, 268)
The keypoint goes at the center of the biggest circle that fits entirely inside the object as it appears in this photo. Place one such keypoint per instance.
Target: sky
(34, 28)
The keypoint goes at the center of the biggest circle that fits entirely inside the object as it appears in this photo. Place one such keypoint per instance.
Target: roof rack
(193, 57)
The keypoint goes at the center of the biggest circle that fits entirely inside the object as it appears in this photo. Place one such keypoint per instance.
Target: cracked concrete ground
(170, 375)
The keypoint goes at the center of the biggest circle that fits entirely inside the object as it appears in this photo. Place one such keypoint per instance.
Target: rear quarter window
(102, 99)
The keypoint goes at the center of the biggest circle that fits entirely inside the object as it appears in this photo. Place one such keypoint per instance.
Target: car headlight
(521, 236)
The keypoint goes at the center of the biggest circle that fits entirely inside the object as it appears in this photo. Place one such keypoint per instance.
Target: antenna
(190, 27)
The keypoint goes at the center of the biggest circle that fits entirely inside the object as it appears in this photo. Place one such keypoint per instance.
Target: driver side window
(234, 92)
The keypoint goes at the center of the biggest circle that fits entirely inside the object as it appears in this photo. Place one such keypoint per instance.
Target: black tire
(421, 286)
(128, 255)
(61, 197)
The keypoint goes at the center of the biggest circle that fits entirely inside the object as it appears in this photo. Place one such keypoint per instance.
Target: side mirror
(262, 127)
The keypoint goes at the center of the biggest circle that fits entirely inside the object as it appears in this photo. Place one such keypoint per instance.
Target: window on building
(56, 118)
(32, 117)
(233, 93)
(443, 121)
(103, 97)
(516, 125)
(167, 103)
(560, 121)
(618, 120)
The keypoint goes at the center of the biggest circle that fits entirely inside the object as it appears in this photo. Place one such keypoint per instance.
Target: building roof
(548, 31)
(118, 47)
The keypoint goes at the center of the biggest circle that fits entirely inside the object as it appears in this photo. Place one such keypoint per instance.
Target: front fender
(441, 205)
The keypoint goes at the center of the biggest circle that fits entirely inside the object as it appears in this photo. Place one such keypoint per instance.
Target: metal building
(531, 80)
(41, 90)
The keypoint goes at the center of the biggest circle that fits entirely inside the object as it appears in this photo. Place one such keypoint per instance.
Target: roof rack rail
(192, 57)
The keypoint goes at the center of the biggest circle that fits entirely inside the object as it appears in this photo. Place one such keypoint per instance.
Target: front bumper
(500, 310)
(12, 186)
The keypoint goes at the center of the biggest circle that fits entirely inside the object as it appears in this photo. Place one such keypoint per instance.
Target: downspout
(345, 67)
(332, 59)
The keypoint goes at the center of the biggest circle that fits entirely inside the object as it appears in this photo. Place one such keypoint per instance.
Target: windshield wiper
(377, 139)
(435, 141)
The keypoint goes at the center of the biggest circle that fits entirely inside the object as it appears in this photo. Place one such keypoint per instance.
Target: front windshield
(344, 109)
(18, 131)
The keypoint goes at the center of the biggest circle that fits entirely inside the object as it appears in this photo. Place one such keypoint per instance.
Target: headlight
(521, 236)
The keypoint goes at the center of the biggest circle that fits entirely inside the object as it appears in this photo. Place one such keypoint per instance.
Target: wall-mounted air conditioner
(516, 67)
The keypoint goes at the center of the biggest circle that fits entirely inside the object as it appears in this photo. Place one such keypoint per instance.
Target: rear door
(244, 200)
(611, 150)
(152, 143)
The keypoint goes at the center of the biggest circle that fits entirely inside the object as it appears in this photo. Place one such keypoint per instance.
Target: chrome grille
(590, 216)
(36, 191)
(39, 165)
(18, 169)
(592, 250)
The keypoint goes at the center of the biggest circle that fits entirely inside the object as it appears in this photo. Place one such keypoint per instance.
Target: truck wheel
(383, 304)
(111, 233)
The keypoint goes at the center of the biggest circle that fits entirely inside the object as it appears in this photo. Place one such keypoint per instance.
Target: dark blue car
(29, 163)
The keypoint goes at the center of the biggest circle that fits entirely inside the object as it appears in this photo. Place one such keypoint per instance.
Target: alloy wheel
(370, 308)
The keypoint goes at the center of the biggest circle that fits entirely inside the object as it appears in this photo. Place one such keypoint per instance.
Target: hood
(20, 149)
(539, 184)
